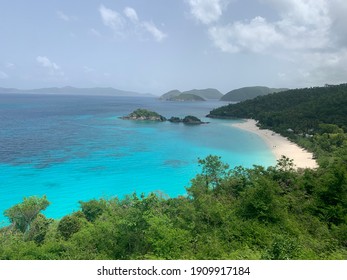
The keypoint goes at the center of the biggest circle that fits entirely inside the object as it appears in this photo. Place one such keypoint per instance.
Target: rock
(175, 120)
(192, 120)
(144, 115)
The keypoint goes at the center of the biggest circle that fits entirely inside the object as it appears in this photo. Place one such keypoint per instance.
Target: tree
(69, 225)
(39, 228)
(213, 169)
(22, 214)
(93, 209)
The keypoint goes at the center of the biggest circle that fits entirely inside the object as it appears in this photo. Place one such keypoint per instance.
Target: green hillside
(300, 109)
(246, 93)
(209, 93)
(170, 94)
(186, 97)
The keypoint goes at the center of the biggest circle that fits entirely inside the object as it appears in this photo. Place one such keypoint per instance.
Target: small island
(144, 115)
(186, 120)
(192, 95)
(186, 97)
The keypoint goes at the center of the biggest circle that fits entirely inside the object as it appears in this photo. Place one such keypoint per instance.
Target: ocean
(76, 148)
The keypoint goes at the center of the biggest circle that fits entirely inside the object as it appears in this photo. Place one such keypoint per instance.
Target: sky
(154, 46)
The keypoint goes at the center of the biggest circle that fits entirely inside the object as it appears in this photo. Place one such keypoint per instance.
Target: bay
(76, 148)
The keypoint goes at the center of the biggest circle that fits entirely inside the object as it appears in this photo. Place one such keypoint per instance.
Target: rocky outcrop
(175, 120)
(192, 120)
(144, 115)
(186, 120)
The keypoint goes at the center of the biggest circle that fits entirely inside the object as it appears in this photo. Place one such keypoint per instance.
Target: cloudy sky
(155, 45)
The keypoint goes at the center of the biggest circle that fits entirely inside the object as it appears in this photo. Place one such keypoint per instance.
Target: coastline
(279, 145)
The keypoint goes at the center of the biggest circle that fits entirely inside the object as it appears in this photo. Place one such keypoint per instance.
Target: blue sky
(155, 46)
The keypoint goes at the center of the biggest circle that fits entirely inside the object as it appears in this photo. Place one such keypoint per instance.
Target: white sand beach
(280, 145)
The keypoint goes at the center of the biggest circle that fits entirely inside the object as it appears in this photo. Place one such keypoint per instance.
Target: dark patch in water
(175, 163)
(43, 165)
(27, 174)
(47, 163)
(97, 168)
(52, 185)
(117, 155)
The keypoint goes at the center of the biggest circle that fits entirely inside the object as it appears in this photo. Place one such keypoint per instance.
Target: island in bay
(147, 115)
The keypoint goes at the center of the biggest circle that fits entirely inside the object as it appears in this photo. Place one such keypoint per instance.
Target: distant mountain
(209, 93)
(246, 93)
(170, 94)
(186, 97)
(102, 91)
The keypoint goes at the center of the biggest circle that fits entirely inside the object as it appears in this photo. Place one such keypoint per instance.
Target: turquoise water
(74, 148)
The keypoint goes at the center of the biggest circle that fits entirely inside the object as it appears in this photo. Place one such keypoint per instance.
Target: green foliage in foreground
(257, 213)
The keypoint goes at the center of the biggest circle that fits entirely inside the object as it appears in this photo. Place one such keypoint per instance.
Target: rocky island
(186, 120)
(144, 115)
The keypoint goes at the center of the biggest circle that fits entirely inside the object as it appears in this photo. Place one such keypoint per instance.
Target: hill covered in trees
(186, 97)
(277, 212)
(299, 109)
(246, 93)
(208, 93)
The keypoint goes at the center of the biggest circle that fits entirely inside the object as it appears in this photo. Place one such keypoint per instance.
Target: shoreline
(279, 145)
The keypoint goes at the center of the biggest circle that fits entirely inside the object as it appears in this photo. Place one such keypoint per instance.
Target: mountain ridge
(208, 93)
(245, 93)
(69, 90)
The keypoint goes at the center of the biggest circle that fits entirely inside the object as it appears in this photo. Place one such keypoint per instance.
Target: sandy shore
(280, 145)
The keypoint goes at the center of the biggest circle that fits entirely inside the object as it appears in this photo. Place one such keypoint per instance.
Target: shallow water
(74, 148)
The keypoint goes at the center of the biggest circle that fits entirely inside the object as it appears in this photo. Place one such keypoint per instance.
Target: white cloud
(10, 65)
(63, 16)
(3, 75)
(207, 11)
(119, 24)
(45, 62)
(303, 25)
(154, 31)
(131, 14)
(310, 36)
(111, 19)
(95, 32)
(256, 36)
(322, 67)
(88, 69)
(52, 67)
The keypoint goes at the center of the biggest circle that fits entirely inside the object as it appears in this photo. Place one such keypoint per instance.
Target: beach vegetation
(23, 214)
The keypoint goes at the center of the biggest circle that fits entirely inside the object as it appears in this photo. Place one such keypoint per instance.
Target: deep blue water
(74, 148)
